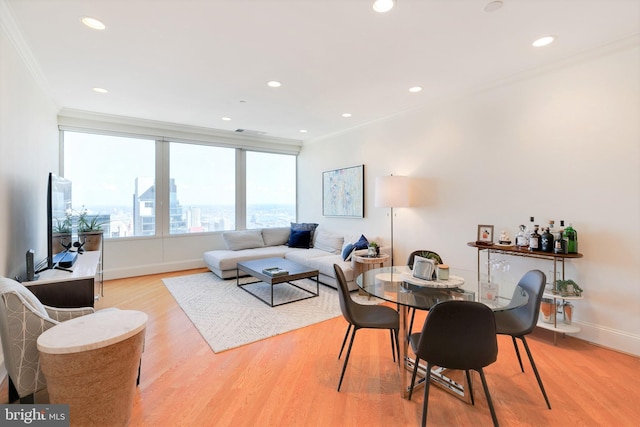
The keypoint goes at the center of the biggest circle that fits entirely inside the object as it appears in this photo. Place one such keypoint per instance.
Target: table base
(270, 303)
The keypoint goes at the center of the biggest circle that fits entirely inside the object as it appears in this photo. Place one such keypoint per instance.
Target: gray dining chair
(456, 335)
(520, 321)
(361, 316)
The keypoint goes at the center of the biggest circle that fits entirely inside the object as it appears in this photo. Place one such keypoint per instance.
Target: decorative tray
(452, 282)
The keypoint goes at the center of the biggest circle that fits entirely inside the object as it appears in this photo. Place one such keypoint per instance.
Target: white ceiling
(196, 61)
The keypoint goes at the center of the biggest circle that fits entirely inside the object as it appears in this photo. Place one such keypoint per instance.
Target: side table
(369, 263)
(91, 363)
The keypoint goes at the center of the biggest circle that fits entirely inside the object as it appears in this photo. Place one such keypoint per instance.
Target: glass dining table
(397, 285)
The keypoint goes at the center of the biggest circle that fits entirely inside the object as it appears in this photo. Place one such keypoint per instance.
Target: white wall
(563, 143)
(28, 152)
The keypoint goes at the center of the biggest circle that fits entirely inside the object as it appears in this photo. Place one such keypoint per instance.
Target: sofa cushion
(237, 240)
(299, 239)
(329, 242)
(223, 259)
(275, 236)
(311, 226)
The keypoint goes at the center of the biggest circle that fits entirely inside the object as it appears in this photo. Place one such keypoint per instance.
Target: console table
(558, 261)
(70, 289)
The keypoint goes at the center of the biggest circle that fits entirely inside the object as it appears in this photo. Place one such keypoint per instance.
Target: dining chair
(456, 335)
(520, 321)
(424, 254)
(361, 316)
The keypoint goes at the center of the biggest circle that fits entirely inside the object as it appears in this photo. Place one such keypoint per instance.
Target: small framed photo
(485, 234)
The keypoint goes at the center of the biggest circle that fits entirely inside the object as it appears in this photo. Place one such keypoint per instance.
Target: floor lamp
(392, 192)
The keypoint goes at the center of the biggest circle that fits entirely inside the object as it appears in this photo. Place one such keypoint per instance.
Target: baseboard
(142, 270)
(621, 341)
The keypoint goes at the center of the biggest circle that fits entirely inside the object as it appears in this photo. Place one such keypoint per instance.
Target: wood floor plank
(291, 379)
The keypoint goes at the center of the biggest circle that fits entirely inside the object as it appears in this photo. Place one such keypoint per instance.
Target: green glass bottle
(572, 239)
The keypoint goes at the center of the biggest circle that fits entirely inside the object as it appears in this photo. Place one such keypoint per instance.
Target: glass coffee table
(294, 271)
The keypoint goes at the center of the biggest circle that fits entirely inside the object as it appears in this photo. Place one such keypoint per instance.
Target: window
(271, 189)
(154, 187)
(202, 189)
(113, 177)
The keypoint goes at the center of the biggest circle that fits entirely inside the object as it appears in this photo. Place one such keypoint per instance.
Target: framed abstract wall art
(343, 192)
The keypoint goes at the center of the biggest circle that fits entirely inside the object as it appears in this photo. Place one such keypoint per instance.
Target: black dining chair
(520, 321)
(424, 254)
(361, 316)
(456, 335)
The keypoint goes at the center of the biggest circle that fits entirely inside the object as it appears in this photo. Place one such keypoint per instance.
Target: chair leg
(535, 371)
(397, 333)
(346, 359)
(344, 341)
(489, 401)
(425, 404)
(515, 345)
(410, 328)
(470, 387)
(13, 392)
(393, 344)
(413, 376)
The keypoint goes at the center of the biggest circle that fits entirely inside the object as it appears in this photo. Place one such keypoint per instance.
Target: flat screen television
(59, 226)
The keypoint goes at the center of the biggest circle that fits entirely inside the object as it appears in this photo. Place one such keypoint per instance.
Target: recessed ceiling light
(303, 131)
(93, 23)
(274, 83)
(543, 41)
(492, 6)
(415, 89)
(346, 115)
(382, 6)
(226, 119)
(100, 90)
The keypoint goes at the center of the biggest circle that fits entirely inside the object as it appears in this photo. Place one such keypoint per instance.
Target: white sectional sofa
(272, 242)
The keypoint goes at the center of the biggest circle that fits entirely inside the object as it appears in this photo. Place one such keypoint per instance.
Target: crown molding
(12, 30)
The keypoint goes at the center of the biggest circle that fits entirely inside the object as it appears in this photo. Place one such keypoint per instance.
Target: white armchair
(22, 319)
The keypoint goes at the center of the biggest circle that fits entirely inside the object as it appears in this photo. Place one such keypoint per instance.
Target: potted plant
(568, 288)
(61, 233)
(89, 231)
(373, 249)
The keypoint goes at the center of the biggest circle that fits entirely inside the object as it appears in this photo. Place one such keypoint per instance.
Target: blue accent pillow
(299, 239)
(363, 243)
(311, 226)
(347, 251)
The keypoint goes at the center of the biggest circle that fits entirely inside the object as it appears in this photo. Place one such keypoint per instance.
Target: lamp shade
(393, 191)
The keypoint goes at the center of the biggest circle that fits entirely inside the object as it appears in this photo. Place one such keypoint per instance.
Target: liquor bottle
(522, 240)
(572, 239)
(534, 239)
(546, 241)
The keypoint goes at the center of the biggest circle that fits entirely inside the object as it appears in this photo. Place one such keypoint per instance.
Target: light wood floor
(291, 379)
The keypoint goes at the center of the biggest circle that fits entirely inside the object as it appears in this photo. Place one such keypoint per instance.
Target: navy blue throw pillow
(299, 239)
(363, 243)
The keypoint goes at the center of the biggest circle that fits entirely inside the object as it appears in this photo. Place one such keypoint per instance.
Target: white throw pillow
(328, 242)
(248, 239)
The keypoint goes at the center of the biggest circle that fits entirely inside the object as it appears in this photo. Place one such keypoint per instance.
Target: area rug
(228, 317)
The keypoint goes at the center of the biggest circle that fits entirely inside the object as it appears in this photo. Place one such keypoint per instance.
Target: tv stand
(70, 287)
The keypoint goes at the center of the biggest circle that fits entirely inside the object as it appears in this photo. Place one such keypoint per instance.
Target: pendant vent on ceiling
(250, 132)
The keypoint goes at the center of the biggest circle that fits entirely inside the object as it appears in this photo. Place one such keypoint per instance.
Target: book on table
(275, 271)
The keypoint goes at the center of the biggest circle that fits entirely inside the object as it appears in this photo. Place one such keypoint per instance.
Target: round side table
(369, 263)
(91, 363)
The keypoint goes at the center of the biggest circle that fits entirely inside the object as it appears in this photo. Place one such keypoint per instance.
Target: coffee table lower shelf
(296, 272)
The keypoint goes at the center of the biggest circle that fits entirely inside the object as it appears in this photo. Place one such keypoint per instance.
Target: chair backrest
(459, 335)
(346, 303)
(533, 283)
(424, 254)
(22, 320)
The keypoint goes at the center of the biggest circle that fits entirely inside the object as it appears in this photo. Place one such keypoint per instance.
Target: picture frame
(485, 234)
(343, 192)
